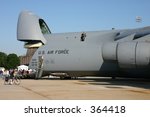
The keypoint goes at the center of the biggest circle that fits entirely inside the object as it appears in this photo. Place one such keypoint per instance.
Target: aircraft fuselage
(100, 53)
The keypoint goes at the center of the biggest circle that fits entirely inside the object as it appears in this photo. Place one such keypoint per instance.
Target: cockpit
(44, 27)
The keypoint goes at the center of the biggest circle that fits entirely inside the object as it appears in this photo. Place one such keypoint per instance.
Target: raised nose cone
(30, 28)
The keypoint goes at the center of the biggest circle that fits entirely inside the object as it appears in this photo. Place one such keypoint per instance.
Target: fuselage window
(44, 27)
(83, 35)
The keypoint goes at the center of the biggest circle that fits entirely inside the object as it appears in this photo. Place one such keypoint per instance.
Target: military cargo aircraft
(112, 53)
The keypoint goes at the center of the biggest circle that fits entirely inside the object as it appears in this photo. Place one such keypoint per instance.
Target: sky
(71, 16)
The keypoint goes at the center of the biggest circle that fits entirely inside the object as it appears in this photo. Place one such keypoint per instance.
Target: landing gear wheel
(65, 78)
(113, 77)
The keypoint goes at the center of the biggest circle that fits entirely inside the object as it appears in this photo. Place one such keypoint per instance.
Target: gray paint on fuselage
(99, 53)
(81, 56)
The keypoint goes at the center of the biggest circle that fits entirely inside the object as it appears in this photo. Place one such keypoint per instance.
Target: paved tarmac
(81, 89)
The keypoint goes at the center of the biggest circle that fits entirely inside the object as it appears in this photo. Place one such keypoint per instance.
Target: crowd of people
(15, 73)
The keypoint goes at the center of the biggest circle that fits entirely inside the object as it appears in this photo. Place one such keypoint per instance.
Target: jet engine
(131, 54)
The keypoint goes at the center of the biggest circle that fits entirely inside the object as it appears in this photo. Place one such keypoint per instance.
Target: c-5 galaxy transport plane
(113, 53)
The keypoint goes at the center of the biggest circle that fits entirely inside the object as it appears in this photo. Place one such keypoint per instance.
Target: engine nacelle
(109, 51)
(130, 54)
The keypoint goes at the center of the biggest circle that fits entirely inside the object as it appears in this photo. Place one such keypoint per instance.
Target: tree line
(10, 61)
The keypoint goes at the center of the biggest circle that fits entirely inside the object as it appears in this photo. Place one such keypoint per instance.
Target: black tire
(17, 81)
(6, 81)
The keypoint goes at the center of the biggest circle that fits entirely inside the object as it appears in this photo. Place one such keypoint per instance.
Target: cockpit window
(44, 27)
